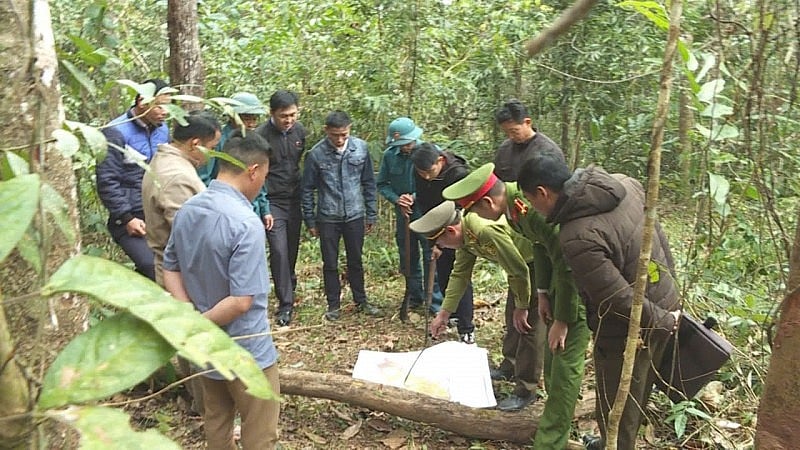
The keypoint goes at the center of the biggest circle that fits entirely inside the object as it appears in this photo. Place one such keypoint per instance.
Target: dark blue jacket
(344, 184)
(119, 176)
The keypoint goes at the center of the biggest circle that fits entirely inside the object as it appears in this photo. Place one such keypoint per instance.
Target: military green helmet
(473, 187)
(435, 221)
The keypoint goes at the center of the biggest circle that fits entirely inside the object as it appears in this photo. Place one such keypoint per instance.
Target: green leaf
(66, 142)
(145, 90)
(696, 412)
(718, 187)
(17, 164)
(19, 199)
(653, 274)
(28, 248)
(680, 425)
(54, 204)
(195, 337)
(176, 112)
(94, 137)
(116, 354)
(226, 157)
(187, 98)
(726, 132)
(79, 76)
(103, 428)
(709, 61)
(717, 110)
(710, 89)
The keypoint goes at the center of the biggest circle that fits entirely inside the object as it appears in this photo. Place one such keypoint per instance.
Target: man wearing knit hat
(472, 236)
(395, 182)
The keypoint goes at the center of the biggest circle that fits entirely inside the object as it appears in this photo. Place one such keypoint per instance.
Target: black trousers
(353, 235)
(135, 247)
(284, 240)
(464, 312)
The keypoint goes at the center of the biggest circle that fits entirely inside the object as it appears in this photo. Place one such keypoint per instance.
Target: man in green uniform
(601, 219)
(559, 305)
(473, 236)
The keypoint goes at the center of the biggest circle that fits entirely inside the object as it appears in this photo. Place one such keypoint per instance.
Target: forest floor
(313, 344)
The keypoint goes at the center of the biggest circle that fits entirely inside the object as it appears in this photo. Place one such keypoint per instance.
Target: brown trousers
(259, 417)
(608, 358)
(523, 354)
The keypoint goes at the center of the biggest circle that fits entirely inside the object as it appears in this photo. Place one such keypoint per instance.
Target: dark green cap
(433, 223)
(473, 187)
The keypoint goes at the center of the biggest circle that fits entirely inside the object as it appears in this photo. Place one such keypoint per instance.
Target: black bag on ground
(700, 354)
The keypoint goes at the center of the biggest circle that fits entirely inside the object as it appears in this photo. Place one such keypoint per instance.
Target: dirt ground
(314, 344)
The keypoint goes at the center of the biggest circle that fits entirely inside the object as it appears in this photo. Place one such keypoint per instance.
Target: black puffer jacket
(601, 218)
(429, 192)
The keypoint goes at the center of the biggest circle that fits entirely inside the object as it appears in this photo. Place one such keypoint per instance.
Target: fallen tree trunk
(463, 420)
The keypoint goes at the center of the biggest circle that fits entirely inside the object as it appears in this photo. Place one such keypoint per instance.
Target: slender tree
(651, 204)
(185, 61)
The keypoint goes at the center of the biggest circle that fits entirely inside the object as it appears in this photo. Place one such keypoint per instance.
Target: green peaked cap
(435, 220)
(469, 185)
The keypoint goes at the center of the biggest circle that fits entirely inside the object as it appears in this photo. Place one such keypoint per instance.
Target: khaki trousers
(224, 398)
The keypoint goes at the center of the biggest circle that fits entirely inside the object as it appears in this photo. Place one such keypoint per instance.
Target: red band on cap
(466, 202)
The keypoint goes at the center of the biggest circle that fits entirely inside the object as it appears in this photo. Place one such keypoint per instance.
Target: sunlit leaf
(17, 164)
(718, 187)
(66, 143)
(680, 425)
(195, 337)
(94, 137)
(103, 428)
(187, 98)
(226, 157)
(710, 89)
(19, 199)
(717, 110)
(653, 274)
(709, 61)
(116, 354)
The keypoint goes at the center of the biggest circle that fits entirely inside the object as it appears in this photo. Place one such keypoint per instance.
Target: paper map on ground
(449, 371)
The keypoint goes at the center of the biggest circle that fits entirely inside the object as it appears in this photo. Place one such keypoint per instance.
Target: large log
(463, 420)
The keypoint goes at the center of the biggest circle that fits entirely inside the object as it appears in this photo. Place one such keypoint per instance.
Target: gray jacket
(344, 184)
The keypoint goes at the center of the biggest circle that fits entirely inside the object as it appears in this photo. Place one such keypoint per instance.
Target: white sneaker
(467, 338)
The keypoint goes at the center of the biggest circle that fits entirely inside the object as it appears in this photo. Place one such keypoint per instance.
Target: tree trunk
(185, 61)
(685, 124)
(651, 204)
(31, 111)
(462, 420)
(777, 417)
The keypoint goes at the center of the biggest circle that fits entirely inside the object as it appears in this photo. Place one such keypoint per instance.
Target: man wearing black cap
(119, 176)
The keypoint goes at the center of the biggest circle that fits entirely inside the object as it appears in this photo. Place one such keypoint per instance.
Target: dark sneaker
(592, 442)
(415, 303)
(284, 318)
(452, 322)
(332, 315)
(369, 309)
(499, 375)
(515, 402)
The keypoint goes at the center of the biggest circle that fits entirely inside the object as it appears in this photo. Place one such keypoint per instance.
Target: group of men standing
(568, 242)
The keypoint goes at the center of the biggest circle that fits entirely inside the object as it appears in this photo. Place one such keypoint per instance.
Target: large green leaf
(96, 140)
(19, 198)
(66, 142)
(115, 354)
(28, 248)
(718, 187)
(195, 337)
(79, 76)
(104, 428)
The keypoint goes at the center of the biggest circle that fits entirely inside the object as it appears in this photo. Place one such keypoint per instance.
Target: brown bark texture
(31, 111)
(561, 25)
(186, 70)
(462, 420)
(777, 417)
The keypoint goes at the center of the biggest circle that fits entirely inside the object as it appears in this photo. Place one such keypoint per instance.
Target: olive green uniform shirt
(552, 273)
(497, 242)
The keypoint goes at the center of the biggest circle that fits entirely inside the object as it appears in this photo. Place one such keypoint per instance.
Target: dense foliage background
(730, 151)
